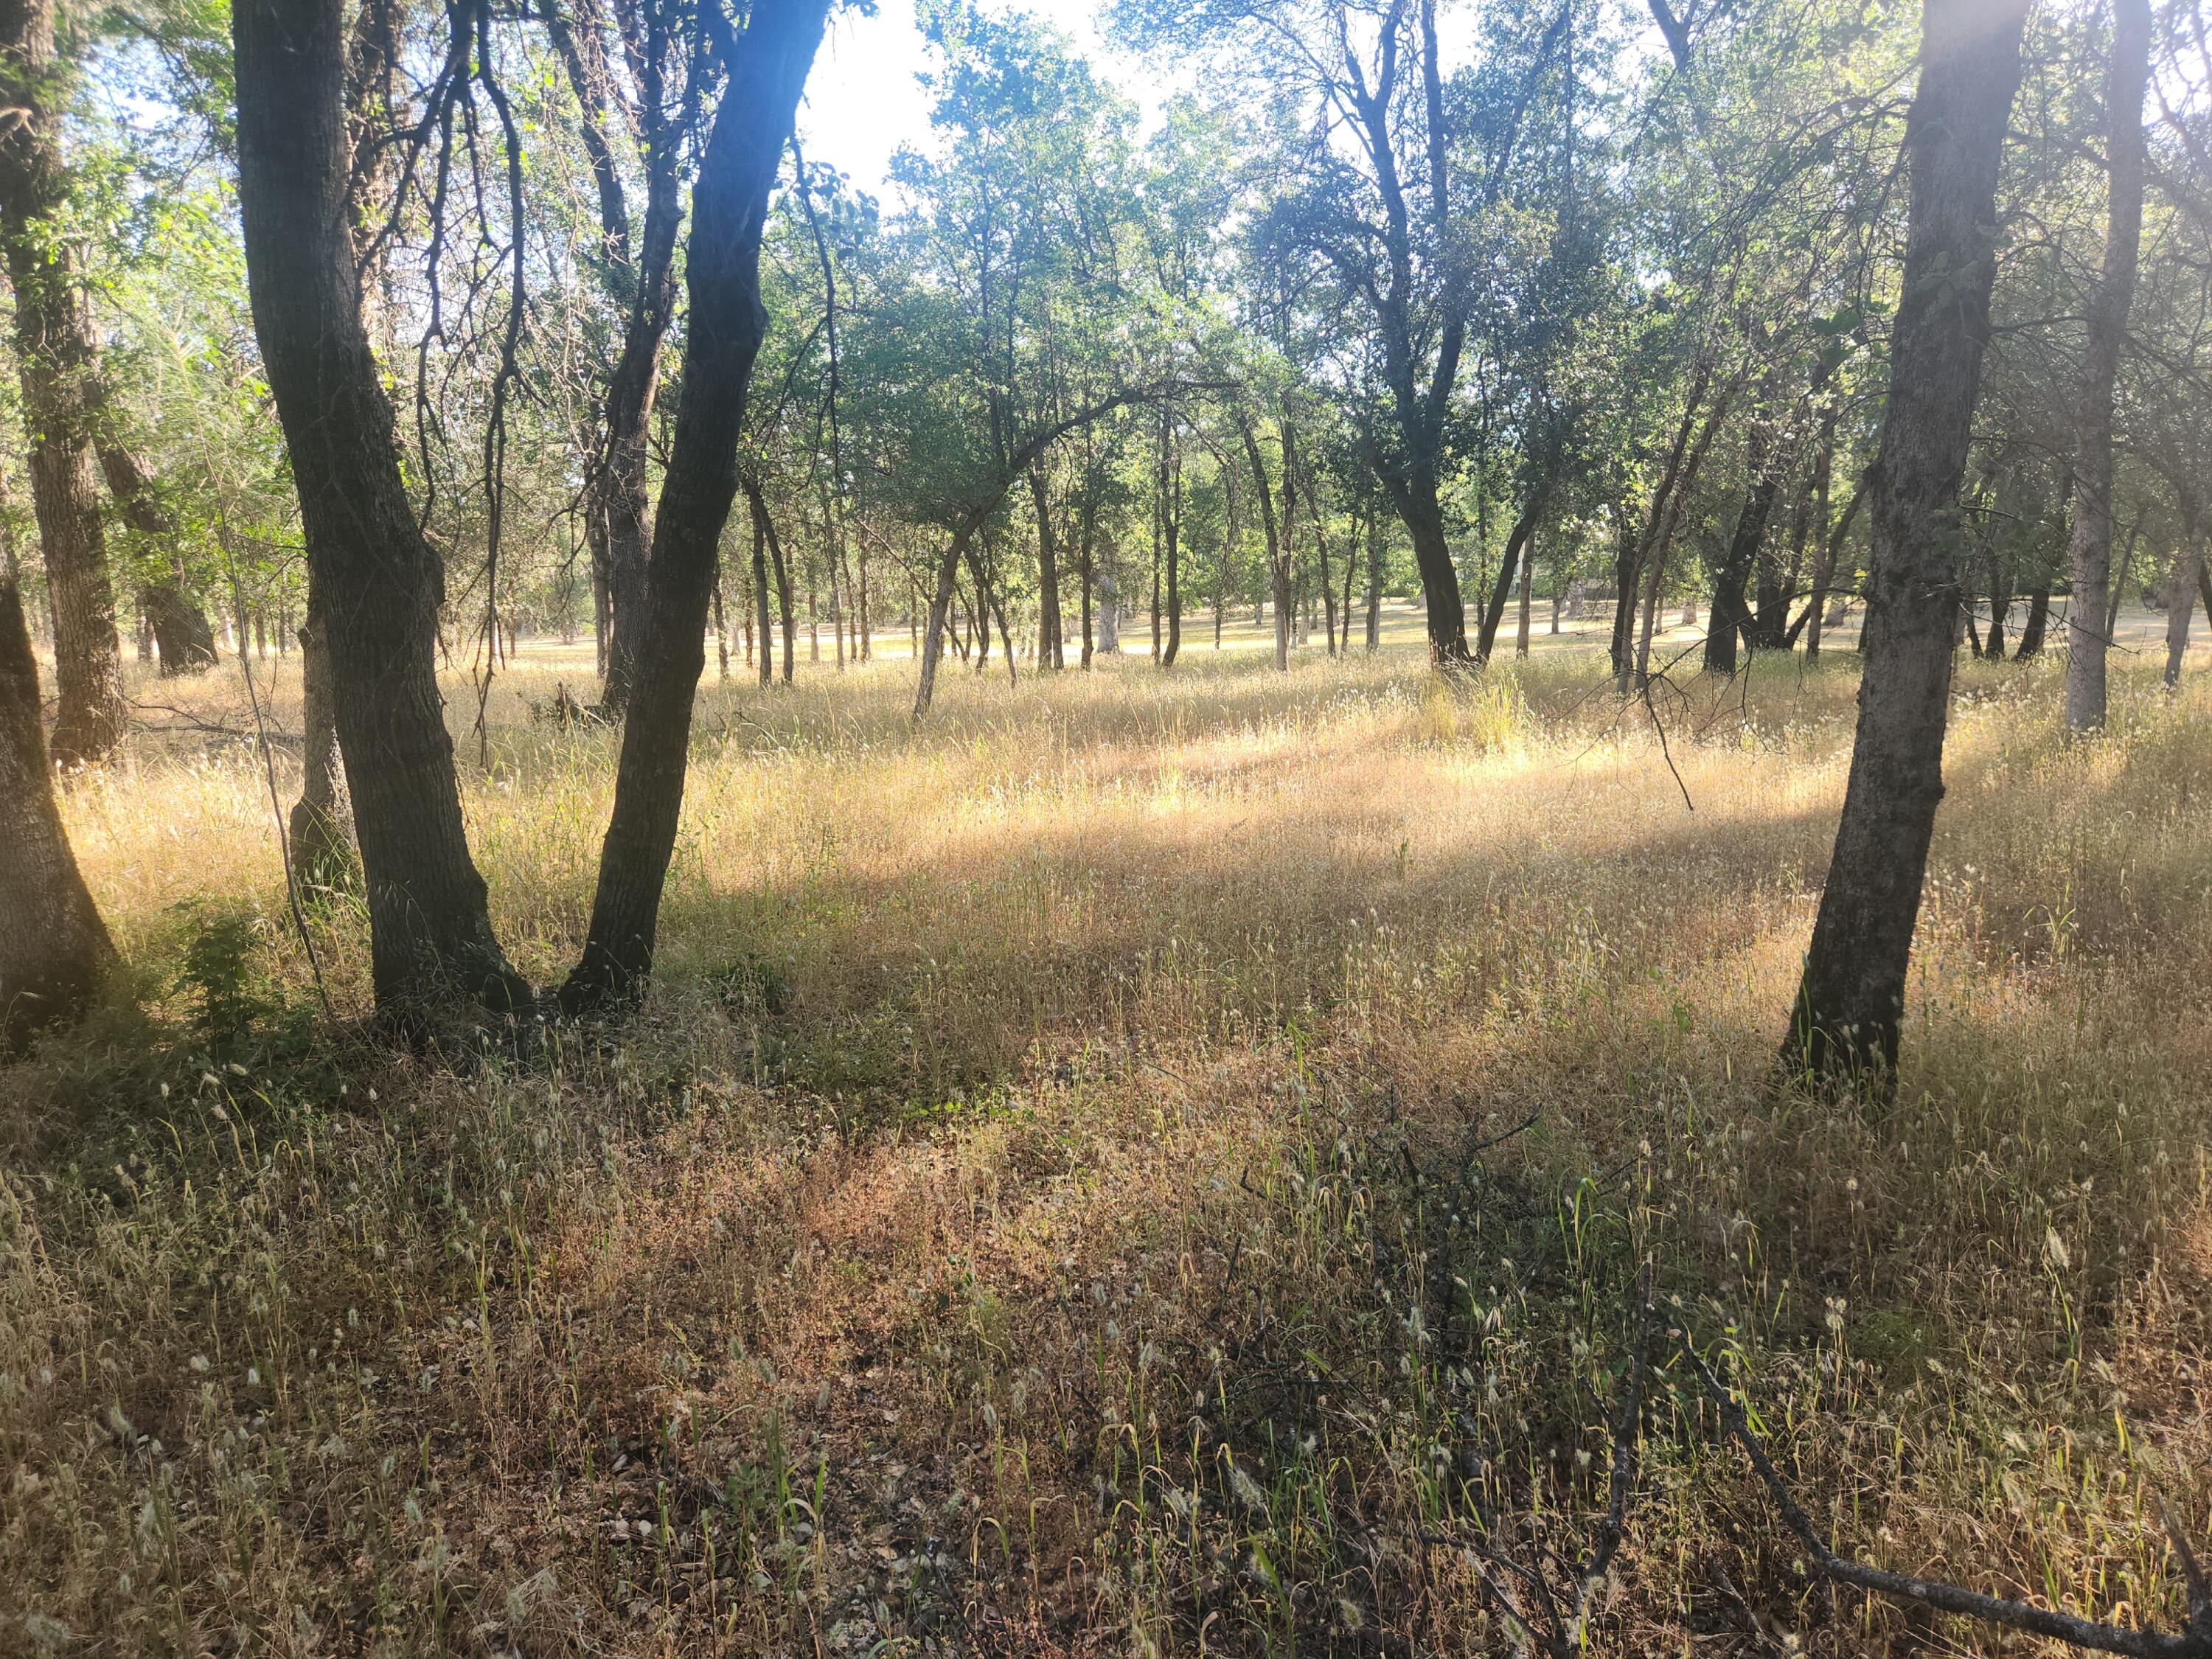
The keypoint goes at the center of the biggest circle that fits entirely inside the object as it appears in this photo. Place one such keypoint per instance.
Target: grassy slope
(1047, 1204)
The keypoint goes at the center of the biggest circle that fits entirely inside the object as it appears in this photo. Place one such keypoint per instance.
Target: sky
(862, 102)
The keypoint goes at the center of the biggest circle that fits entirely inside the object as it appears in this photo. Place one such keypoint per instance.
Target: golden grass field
(1147, 1164)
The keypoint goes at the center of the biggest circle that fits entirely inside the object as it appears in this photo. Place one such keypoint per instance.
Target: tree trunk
(1424, 516)
(2120, 580)
(2031, 633)
(57, 358)
(1110, 609)
(2181, 593)
(1527, 590)
(54, 949)
(940, 611)
(1730, 618)
(1851, 1001)
(1050, 652)
(1171, 543)
(373, 577)
(181, 631)
(1374, 582)
(767, 69)
(1089, 576)
(2109, 303)
(1502, 590)
(646, 268)
(759, 514)
(315, 836)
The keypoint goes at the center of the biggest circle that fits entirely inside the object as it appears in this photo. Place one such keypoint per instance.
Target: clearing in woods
(1153, 1159)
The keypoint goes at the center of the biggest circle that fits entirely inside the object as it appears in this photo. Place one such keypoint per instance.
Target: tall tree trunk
(57, 360)
(940, 612)
(767, 68)
(374, 579)
(2181, 590)
(2032, 631)
(1833, 541)
(1374, 582)
(1327, 582)
(645, 267)
(1730, 618)
(54, 949)
(1419, 506)
(1528, 591)
(2120, 578)
(2000, 608)
(1851, 1000)
(2109, 304)
(1502, 590)
(1050, 652)
(1088, 576)
(181, 631)
(315, 835)
(759, 514)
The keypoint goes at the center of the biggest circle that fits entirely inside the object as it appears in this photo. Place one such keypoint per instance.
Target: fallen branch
(2196, 1643)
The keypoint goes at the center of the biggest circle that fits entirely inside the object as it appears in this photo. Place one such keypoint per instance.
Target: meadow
(1150, 1163)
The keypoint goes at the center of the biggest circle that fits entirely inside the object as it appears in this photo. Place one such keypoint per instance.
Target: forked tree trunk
(767, 69)
(57, 360)
(374, 579)
(2109, 303)
(1851, 1000)
(54, 949)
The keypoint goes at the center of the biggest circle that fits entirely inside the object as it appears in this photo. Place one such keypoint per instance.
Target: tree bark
(644, 266)
(57, 362)
(1374, 583)
(321, 854)
(759, 514)
(2032, 631)
(1051, 654)
(181, 631)
(2181, 591)
(1850, 1001)
(767, 68)
(373, 577)
(54, 949)
(2109, 304)
(1528, 591)
(1494, 613)
(1730, 618)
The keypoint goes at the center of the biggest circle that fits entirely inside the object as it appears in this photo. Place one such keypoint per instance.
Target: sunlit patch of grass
(1144, 1159)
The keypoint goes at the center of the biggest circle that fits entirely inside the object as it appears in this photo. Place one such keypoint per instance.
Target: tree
(54, 949)
(1850, 1001)
(768, 65)
(2109, 302)
(376, 581)
(57, 358)
(637, 265)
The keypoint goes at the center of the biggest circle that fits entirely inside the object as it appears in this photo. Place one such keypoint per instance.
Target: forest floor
(1150, 1164)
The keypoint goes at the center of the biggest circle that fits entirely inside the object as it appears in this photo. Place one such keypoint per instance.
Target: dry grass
(1046, 1206)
